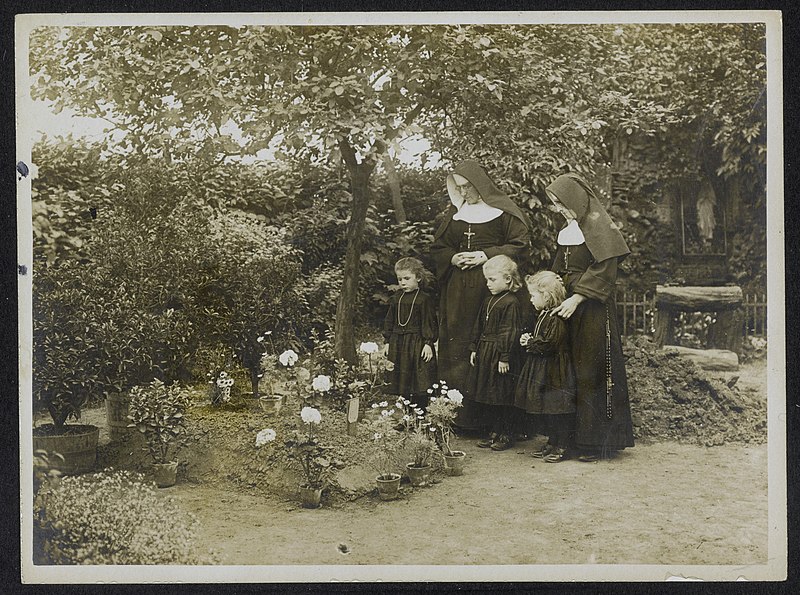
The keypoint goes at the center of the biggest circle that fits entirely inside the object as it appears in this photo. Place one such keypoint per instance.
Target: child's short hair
(415, 266)
(549, 285)
(504, 265)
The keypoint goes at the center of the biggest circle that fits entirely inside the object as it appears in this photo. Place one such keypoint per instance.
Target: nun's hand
(567, 308)
(474, 259)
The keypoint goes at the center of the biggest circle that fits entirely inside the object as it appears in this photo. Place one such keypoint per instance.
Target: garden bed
(671, 399)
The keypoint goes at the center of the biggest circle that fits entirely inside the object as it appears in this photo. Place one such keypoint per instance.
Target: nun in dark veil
(481, 222)
(589, 251)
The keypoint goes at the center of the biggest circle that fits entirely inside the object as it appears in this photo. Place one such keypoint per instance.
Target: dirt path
(663, 503)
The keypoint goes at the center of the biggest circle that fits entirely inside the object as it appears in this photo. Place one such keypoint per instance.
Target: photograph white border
(776, 565)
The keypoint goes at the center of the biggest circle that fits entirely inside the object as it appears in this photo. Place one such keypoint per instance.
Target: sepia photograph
(401, 297)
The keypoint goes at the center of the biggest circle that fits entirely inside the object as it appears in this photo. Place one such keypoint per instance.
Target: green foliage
(113, 518)
(157, 411)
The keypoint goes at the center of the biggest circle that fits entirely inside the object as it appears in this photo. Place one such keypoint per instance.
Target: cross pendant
(469, 233)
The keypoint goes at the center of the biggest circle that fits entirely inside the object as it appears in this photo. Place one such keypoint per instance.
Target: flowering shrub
(221, 388)
(420, 445)
(306, 451)
(156, 410)
(442, 411)
(113, 518)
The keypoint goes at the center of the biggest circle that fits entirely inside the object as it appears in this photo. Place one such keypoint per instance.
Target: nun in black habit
(481, 222)
(589, 251)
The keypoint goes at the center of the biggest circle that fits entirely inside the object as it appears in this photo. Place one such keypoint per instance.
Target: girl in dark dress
(410, 330)
(546, 385)
(493, 354)
(590, 249)
(481, 222)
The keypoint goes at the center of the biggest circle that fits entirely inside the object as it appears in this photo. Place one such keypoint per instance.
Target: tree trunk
(254, 381)
(394, 186)
(345, 343)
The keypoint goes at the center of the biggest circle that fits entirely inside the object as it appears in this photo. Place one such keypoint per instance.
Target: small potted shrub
(441, 414)
(422, 448)
(157, 411)
(308, 453)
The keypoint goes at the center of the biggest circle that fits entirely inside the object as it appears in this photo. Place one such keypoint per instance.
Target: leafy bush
(113, 518)
(157, 411)
(253, 289)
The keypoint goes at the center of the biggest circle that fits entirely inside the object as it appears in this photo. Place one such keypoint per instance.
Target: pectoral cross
(469, 233)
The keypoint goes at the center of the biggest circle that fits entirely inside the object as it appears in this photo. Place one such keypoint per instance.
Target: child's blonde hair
(505, 266)
(415, 266)
(549, 285)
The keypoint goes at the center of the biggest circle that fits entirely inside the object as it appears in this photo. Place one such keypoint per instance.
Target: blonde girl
(546, 385)
(493, 351)
(410, 329)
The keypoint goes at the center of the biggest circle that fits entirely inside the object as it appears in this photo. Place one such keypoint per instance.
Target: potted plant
(385, 454)
(307, 452)
(441, 414)
(295, 376)
(157, 411)
(60, 387)
(422, 448)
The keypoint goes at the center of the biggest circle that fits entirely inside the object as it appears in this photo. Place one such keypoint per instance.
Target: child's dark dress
(494, 339)
(546, 384)
(410, 324)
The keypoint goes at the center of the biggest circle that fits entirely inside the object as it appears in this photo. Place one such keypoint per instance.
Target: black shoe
(504, 442)
(487, 442)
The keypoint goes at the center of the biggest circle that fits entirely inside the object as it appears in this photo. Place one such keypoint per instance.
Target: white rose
(369, 347)
(265, 436)
(288, 358)
(455, 396)
(321, 383)
(310, 415)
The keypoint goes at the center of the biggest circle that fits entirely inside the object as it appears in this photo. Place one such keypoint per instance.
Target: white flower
(389, 365)
(321, 383)
(455, 396)
(406, 402)
(385, 413)
(310, 415)
(430, 391)
(384, 404)
(374, 405)
(268, 333)
(433, 399)
(435, 386)
(265, 436)
(260, 339)
(288, 358)
(377, 436)
(223, 374)
(369, 347)
(398, 405)
(419, 411)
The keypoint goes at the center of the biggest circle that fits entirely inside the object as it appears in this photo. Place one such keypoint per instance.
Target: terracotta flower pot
(165, 474)
(271, 404)
(78, 446)
(310, 497)
(454, 463)
(388, 485)
(418, 476)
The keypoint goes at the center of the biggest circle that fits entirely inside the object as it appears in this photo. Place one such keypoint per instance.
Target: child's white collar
(571, 235)
(477, 213)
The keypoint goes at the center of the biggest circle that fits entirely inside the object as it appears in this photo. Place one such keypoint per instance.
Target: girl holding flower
(410, 330)
(546, 385)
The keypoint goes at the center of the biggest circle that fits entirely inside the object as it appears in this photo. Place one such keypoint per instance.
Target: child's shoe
(504, 442)
(487, 442)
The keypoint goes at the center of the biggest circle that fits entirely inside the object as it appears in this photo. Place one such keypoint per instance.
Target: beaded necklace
(411, 310)
(492, 305)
